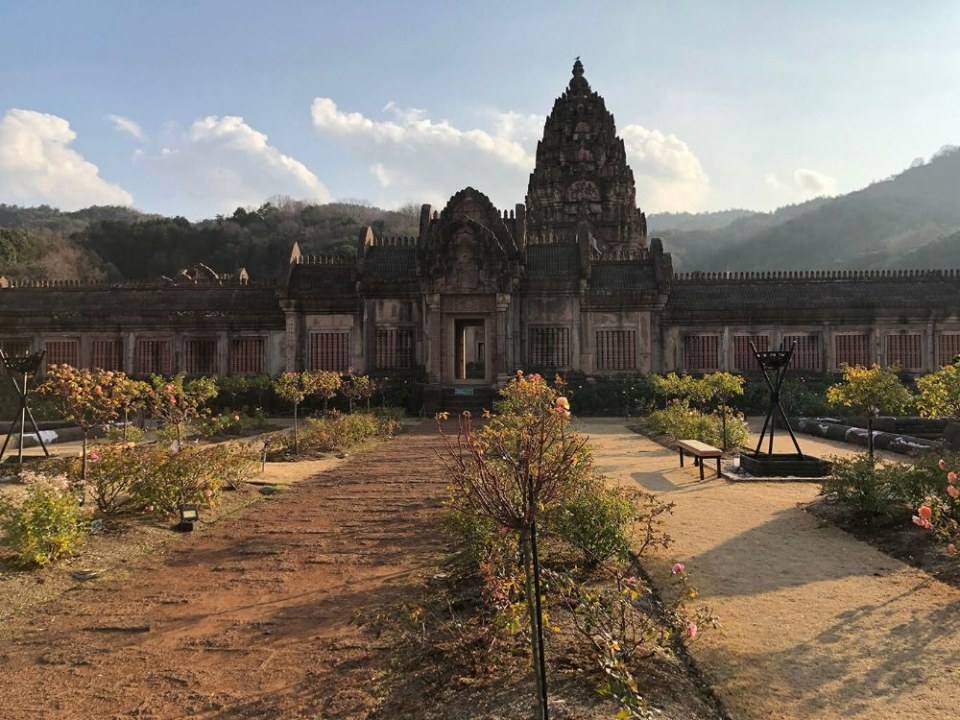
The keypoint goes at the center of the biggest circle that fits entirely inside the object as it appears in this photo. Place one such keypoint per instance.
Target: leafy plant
(601, 521)
(89, 398)
(939, 392)
(177, 401)
(47, 526)
(872, 391)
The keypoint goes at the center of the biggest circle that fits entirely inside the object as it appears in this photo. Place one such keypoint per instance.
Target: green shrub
(680, 421)
(335, 432)
(48, 525)
(473, 534)
(616, 395)
(170, 480)
(598, 521)
(865, 487)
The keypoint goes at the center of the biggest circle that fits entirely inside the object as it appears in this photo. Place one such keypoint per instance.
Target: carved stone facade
(566, 282)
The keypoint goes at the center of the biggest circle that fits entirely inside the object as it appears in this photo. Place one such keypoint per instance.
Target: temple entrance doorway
(470, 351)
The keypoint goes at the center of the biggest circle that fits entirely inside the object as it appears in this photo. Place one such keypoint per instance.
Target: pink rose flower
(951, 549)
(953, 492)
(925, 512)
(692, 629)
(942, 464)
(952, 477)
(678, 568)
(921, 522)
(93, 456)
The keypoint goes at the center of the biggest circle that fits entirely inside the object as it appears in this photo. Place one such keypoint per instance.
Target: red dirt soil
(250, 618)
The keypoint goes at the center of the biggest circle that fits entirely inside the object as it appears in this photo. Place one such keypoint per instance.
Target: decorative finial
(577, 67)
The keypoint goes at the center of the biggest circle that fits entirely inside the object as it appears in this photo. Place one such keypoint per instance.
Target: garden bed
(897, 537)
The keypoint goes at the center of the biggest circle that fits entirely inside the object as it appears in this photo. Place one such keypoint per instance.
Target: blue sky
(195, 107)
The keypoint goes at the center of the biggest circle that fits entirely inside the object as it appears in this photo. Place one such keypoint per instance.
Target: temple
(567, 281)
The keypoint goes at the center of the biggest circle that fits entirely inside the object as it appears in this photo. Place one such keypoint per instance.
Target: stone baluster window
(806, 356)
(153, 356)
(16, 346)
(905, 351)
(247, 355)
(616, 350)
(743, 358)
(106, 353)
(200, 356)
(395, 348)
(549, 347)
(948, 348)
(701, 352)
(851, 349)
(329, 351)
(62, 350)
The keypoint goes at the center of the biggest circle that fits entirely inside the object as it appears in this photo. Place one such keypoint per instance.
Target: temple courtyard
(256, 615)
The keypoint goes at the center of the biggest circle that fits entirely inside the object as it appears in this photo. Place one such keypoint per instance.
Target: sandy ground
(250, 618)
(816, 623)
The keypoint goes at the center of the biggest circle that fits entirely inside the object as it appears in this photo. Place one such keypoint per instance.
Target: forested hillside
(897, 222)
(122, 244)
(910, 220)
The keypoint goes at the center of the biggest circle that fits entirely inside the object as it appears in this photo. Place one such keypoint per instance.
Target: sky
(196, 108)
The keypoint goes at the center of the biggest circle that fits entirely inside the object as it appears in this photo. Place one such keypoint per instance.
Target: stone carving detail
(582, 173)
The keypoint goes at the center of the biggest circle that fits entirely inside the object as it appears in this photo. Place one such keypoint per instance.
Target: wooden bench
(699, 451)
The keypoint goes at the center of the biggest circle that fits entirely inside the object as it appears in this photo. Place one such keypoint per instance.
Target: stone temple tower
(582, 190)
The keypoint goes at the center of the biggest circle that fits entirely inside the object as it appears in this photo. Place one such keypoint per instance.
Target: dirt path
(816, 623)
(250, 618)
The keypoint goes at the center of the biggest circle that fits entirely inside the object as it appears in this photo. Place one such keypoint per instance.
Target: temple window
(106, 353)
(329, 351)
(851, 349)
(549, 347)
(948, 348)
(200, 356)
(616, 350)
(247, 355)
(701, 352)
(395, 348)
(806, 355)
(153, 356)
(905, 351)
(743, 358)
(62, 350)
(16, 346)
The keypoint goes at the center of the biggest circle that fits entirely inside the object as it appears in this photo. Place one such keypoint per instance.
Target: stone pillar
(828, 351)
(930, 356)
(875, 346)
(500, 356)
(433, 338)
(129, 348)
(725, 361)
(368, 348)
(292, 341)
(223, 353)
(85, 357)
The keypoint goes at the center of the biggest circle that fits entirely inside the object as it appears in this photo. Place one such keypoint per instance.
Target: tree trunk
(179, 439)
(723, 423)
(870, 436)
(124, 424)
(83, 461)
(296, 439)
(536, 635)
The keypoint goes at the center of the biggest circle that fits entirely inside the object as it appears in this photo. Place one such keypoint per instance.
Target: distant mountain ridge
(892, 223)
(911, 220)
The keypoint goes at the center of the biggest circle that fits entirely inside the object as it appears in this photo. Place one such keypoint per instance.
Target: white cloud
(415, 158)
(803, 184)
(425, 160)
(37, 165)
(668, 174)
(221, 163)
(128, 126)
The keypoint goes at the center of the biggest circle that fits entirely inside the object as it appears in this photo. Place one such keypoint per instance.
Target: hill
(124, 244)
(883, 225)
